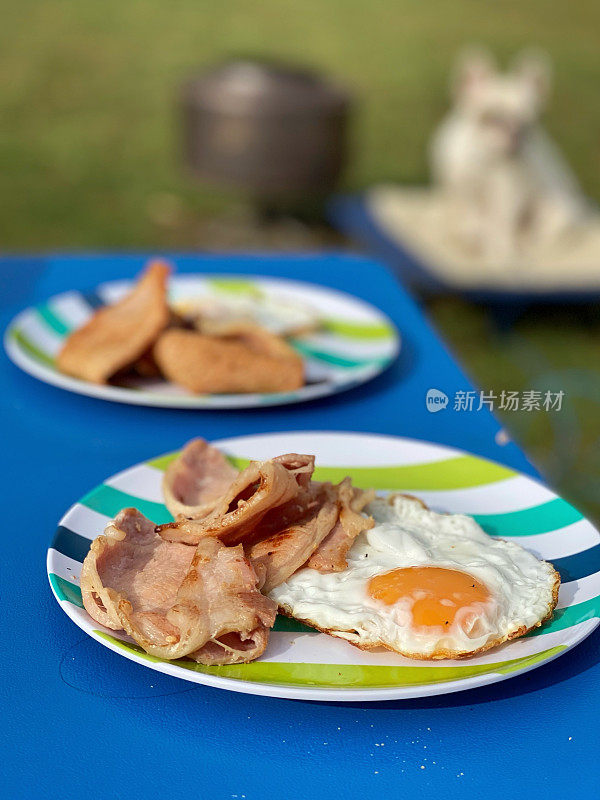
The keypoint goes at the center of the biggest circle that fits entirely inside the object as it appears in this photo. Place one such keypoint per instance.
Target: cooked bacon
(302, 466)
(176, 600)
(279, 555)
(232, 648)
(196, 480)
(281, 517)
(233, 364)
(131, 560)
(118, 335)
(239, 615)
(192, 588)
(331, 554)
(257, 490)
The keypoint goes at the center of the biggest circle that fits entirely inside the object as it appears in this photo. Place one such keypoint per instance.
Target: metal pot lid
(254, 87)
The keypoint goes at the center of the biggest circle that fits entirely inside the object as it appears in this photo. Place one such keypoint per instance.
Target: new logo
(435, 400)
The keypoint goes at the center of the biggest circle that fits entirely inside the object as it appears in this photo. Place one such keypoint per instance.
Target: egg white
(523, 589)
(280, 315)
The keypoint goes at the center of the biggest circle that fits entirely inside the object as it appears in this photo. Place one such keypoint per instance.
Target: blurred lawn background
(89, 149)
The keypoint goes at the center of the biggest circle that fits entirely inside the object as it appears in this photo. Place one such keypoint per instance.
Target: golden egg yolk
(437, 593)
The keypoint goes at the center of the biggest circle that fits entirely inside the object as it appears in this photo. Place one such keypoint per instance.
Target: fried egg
(279, 315)
(426, 585)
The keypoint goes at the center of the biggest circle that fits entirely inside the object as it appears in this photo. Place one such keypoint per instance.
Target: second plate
(355, 342)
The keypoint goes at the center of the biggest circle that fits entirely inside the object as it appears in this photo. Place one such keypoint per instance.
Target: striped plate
(354, 344)
(302, 663)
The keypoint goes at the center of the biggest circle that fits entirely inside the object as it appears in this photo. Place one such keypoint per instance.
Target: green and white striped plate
(302, 663)
(355, 342)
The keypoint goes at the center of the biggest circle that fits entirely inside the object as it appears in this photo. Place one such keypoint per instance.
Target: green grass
(547, 349)
(89, 140)
(90, 154)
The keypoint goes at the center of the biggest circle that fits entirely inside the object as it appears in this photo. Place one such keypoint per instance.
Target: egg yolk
(438, 593)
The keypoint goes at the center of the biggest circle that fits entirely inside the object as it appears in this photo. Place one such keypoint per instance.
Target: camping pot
(275, 132)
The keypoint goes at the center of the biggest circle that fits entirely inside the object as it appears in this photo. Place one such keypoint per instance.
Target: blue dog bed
(352, 215)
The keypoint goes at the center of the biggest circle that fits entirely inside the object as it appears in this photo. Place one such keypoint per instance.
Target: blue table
(81, 721)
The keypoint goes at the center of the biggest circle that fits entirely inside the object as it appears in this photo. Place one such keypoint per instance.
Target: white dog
(508, 191)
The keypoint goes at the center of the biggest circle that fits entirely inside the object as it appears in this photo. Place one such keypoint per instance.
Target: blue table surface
(79, 720)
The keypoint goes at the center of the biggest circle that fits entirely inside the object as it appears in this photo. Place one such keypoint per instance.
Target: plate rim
(326, 694)
(284, 691)
(119, 394)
